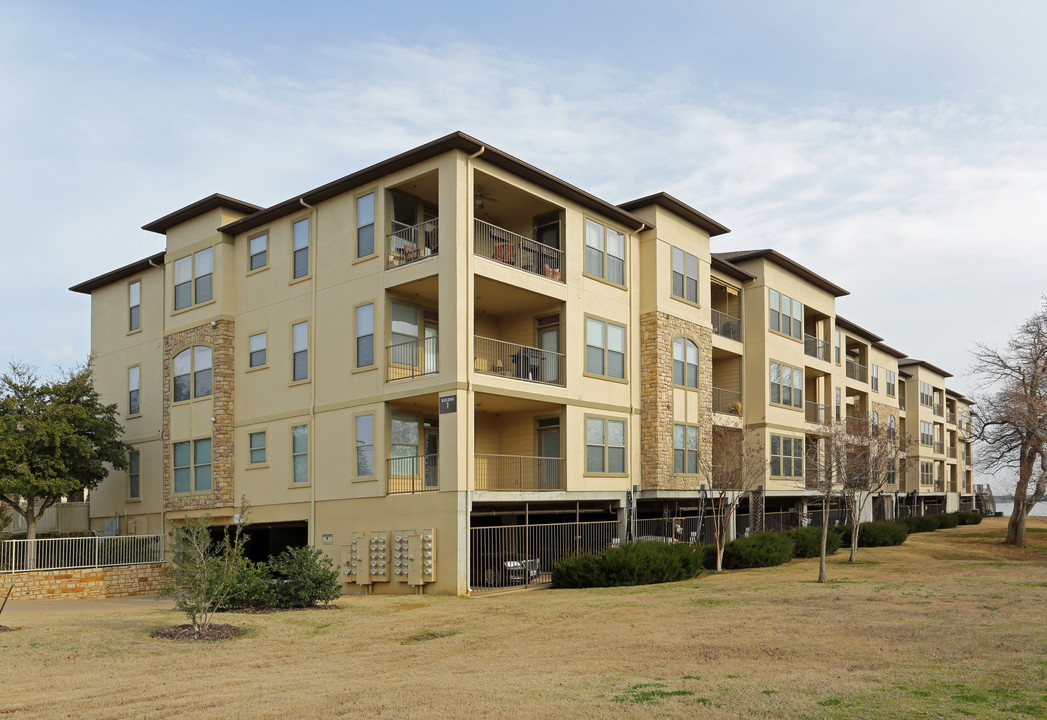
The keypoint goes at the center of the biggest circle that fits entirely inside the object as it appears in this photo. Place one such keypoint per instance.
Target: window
(604, 348)
(839, 343)
(787, 317)
(365, 445)
(685, 275)
(604, 445)
(891, 472)
(404, 431)
(256, 347)
(256, 447)
(890, 427)
(194, 279)
(192, 466)
(134, 475)
(604, 252)
(365, 225)
(875, 418)
(891, 383)
(258, 248)
(839, 404)
(133, 385)
(192, 373)
(926, 473)
(300, 454)
(685, 363)
(134, 302)
(926, 394)
(300, 351)
(685, 450)
(300, 248)
(786, 385)
(365, 335)
(926, 433)
(786, 456)
(874, 377)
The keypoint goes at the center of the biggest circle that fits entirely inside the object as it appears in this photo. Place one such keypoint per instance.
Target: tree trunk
(30, 536)
(823, 576)
(1016, 524)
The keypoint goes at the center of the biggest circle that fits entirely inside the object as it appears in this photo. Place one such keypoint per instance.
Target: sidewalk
(20, 611)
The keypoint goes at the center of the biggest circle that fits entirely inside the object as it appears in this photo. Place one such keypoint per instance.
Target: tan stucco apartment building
(452, 340)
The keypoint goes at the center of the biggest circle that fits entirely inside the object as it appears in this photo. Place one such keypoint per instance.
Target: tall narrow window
(300, 453)
(685, 449)
(365, 445)
(365, 225)
(685, 275)
(874, 377)
(192, 373)
(257, 349)
(839, 405)
(604, 252)
(134, 300)
(134, 475)
(183, 280)
(685, 363)
(133, 385)
(259, 252)
(604, 348)
(786, 315)
(301, 248)
(203, 274)
(300, 351)
(604, 445)
(365, 335)
(192, 466)
(201, 371)
(256, 447)
(839, 343)
(202, 465)
(891, 382)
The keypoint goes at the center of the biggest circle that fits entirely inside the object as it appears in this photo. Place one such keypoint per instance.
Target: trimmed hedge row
(297, 577)
(929, 523)
(808, 541)
(630, 564)
(875, 534)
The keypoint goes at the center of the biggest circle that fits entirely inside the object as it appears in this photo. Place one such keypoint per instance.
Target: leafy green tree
(56, 437)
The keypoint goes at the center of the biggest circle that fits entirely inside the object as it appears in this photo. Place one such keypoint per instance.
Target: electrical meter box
(379, 559)
(399, 555)
(356, 559)
(421, 557)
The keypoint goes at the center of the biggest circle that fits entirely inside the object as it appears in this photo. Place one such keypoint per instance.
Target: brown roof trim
(209, 203)
(842, 322)
(739, 256)
(934, 368)
(889, 350)
(904, 374)
(454, 141)
(959, 396)
(113, 275)
(679, 207)
(731, 269)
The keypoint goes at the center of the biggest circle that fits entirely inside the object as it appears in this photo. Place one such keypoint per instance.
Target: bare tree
(738, 464)
(1011, 422)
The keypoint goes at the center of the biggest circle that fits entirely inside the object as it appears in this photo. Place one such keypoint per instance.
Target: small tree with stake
(736, 465)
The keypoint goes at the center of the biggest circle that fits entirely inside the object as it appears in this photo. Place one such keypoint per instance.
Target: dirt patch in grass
(214, 631)
(4, 628)
(271, 610)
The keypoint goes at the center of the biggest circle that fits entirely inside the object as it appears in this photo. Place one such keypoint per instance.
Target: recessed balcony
(518, 251)
(520, 473)
(857, 371)
(523, 362)
(414, 243)
(813, 347)
(412, 474)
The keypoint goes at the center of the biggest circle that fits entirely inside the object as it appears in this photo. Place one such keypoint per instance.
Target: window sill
(295, 281)
(257, 270)
(134, 417)
(197, 493)
(685, 387)
(257, 367)
(205, 303)
(191, 400)
(133, 500)
(605, 281)
(294, 486)
(785, 335)
(365, 258)
(368, 368)
(783, 406)
(296, 383)
(135, 331)
(685, 301)
(608, 378)
(259, 466)
(605, 475)
(371, 478)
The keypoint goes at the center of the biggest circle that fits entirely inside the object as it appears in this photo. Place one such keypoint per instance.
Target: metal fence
(727, 326)
(520, 472)
(816, 413)
(813, 347)
(857, 371)
(513, 555)
(410, 244)
(727, 402)
(412, 359)
(518, 251)
(68, 517)
(414, 473)
(80, 552)
(497, 357)
(691, 529)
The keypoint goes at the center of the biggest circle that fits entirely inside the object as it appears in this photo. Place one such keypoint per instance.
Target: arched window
(876, 418)
(890, 426)
(685, 363)
(192, 373)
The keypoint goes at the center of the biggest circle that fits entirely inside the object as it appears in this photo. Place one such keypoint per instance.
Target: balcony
(505, 359)
(727, 326)
(950, 417)
(952, 453)
(939, 447)
(520, 473)
(412, 474)
(727, 402)
(411, 244)
(857, 424)
(813, 347)
(938, 409)
(518, 251)
(412, 359)
(857, 371)
(901, 400)
(816, 413)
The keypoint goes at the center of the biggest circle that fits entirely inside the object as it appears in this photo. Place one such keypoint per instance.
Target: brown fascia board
(731, 269)
(211, 202)
(904, 374)
(842, 322)
(959, 396)
(740, 256)
(679, 207)
(113, 275)
(934, 368)
(454, 141)
(889, 350)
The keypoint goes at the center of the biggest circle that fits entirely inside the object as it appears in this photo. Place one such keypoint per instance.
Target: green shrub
(807, 541)
(630, 564)
(948, 520)
(761, 550)
(924, 523)
(251, 586)
(876, 534)
(301, 577)
(969, 518)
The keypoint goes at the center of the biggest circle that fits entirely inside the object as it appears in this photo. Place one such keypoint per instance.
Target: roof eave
(87, 286)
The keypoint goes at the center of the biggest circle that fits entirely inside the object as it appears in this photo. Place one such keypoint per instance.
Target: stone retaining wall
(84, 583)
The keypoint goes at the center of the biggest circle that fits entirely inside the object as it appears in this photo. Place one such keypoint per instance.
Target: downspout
(310, 438)
(163, 332)
(469, 236)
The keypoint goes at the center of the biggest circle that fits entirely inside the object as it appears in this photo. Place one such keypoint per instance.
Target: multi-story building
(415, 357)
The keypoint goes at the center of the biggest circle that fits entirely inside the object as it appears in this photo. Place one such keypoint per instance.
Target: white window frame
(682, 263)
(607, 353)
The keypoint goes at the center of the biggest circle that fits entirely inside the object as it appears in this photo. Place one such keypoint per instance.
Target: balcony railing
(497, 357)
(816, 413)
(939, 447)
(950, 417)
(727, 326)
(520, 473)
(857, 424)
(939, 486)
(901, 401)
(813, 347)
(727, 402)
(491, 241)
(412, 359)
(938, 409)
(410, 244)
(952, 453)
(857, 371)
(412, 474)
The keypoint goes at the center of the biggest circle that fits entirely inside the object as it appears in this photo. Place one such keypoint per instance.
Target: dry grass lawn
(951, 624)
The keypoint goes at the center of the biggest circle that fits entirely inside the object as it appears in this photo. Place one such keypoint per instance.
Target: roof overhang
(679, 207)
(113, 275)
(209, 203)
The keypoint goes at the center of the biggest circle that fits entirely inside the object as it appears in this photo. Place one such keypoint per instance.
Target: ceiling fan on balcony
(481, 197)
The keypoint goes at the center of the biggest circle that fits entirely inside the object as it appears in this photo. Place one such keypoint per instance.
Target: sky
(897, 148)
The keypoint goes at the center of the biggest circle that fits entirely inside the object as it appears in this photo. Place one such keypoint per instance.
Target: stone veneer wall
(219, 337)
(84, 583)
(657, 332)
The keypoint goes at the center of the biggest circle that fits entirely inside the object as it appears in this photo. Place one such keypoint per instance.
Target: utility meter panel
(357, 563)
(379, 559)
(421, 557)
(400, 550)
